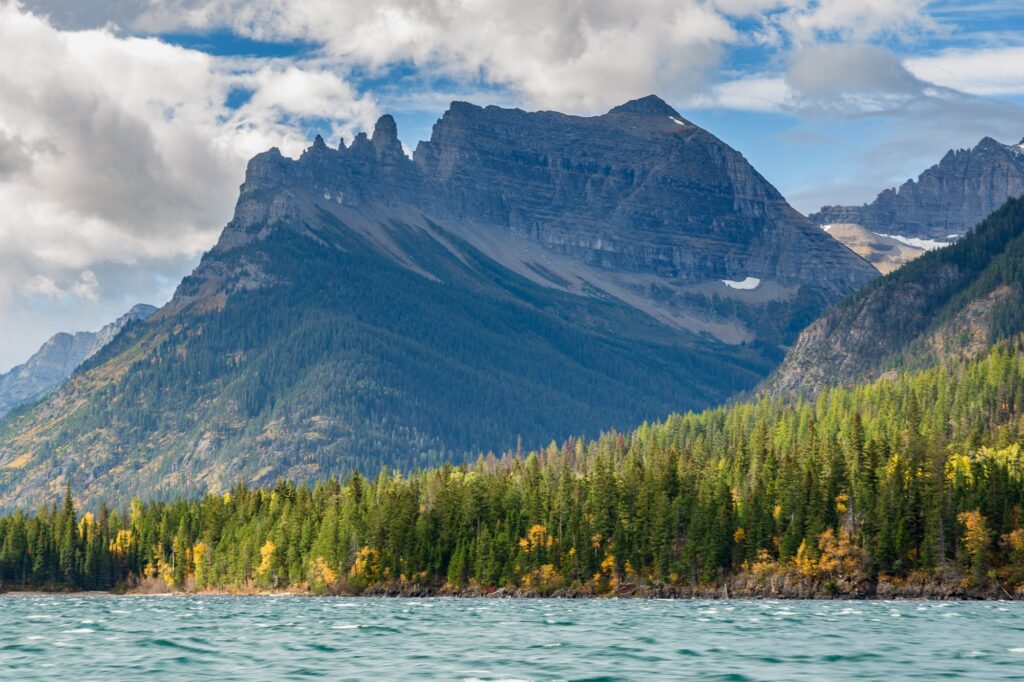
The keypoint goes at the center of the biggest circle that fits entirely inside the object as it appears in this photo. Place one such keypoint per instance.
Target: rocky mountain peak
(138, 312)
(990, 143)
(361, 144)
(950, 302)
(385, 131)
(651, 105)
(946, 200)
(522, 259)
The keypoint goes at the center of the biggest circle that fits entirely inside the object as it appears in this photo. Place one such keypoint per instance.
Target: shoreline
(781, 587)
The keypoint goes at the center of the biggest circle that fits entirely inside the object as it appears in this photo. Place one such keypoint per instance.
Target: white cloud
(85, 288)
(846, 79)
(855, 20)
(849, 89)
(752, 93)
(41, 285)
(994, 71)
(562, 53)
(851, 78)
(120, 151)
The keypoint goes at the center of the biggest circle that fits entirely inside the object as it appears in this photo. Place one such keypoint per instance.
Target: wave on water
(286, 638)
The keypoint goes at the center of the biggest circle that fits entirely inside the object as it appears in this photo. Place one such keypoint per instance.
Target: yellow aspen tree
(976, 541)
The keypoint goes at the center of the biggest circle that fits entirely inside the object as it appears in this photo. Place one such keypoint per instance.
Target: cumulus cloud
(120, 150)
(561, 53)
(851, 77)
(986, 71)
(855, 20)
(833, 89)
(14, 157)
(758, 92)
(565, 54)
(830, 79)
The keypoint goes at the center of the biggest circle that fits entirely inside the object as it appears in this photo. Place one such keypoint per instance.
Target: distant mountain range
(946, 200)
(53, 363)
(524, 276)
(953, 302)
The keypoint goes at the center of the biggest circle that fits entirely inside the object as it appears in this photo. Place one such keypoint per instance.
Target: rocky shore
(744, 586)
(739, 587)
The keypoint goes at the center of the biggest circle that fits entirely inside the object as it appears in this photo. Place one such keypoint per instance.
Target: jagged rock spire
(385, 138)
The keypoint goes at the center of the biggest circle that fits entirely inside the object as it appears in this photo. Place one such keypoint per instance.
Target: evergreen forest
(917, 474)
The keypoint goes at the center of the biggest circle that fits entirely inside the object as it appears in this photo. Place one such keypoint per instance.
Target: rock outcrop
(946, 200)
(885, 253)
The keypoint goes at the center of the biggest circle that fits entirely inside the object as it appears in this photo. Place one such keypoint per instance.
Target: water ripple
(263, 638)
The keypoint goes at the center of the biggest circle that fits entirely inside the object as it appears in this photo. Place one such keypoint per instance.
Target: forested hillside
(356, 362)
(956, 301)
(918, 477)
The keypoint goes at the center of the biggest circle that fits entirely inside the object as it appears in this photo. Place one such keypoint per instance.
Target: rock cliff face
(524, 275)
(638, 205)
(885, 253)
(953, 302)
(946, 200)
(56, 359)
(639, 189)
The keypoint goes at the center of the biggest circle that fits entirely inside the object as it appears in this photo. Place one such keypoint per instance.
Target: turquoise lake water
(255, 638)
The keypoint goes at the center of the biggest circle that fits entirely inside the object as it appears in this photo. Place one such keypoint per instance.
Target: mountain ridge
(57, 358)
(947, 199)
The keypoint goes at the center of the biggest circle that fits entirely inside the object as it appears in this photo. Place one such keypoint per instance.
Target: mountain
(946, 200)
(56, 359)
(885, 253)
(949, 303)
(524, 275)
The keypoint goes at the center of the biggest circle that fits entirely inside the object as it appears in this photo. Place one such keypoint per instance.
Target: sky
(125, 125)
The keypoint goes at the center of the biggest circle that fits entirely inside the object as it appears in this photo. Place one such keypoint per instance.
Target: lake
(162, 637)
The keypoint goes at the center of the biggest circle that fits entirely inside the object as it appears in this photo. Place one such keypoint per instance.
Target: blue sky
(125, 124)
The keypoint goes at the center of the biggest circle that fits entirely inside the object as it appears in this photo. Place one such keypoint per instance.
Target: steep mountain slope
(526, 275)
(946, 200)
(885, 253)
(956, 301)
(56, 359)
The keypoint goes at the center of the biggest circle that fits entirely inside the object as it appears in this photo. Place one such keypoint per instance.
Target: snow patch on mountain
(926, 244)
(745, 284)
